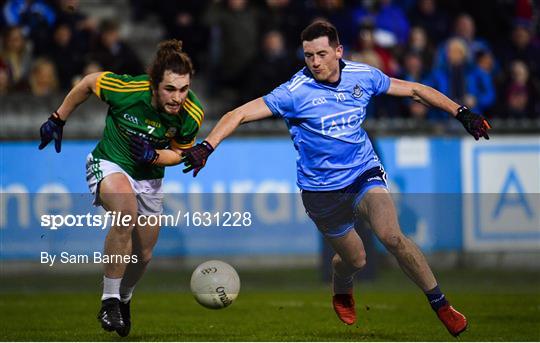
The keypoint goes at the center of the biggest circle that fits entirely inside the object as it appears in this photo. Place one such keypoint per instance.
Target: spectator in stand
(432, 20)
(420, 45)
(390, 21)
(4, 79)
(66, 58)
(273, 66)
(28, 14)
(465, 29)
(183, 19)
(338, 14)
(34, 17)
(488, 67)
(462, 81)
(522, 93)
(287, 17)
(16, 55)
(83, 28)
(234, 37)
(522, 46)
(42, 80)
(413, 68)
(413, 71)
(392, 18)
(112, 53)
(366, 50)
(486, 62)
(89, 68)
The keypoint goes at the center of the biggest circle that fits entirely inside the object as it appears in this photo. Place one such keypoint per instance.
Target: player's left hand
(475, 124)
(142, 151)
(195, 157)
(52, 129)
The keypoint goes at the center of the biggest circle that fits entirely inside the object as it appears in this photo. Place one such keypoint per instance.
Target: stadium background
(472, 207)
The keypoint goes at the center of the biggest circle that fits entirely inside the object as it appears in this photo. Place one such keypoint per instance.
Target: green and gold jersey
(131, 112)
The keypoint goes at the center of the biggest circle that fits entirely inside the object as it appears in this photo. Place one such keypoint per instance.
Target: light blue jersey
(325, 124)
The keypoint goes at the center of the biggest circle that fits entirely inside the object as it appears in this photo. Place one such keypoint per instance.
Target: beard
(171, 108)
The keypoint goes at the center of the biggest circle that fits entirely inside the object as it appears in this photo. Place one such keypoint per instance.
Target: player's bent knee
(359, 262)
(394, 242)
(124, 224)
(336, 259)
(145, 256)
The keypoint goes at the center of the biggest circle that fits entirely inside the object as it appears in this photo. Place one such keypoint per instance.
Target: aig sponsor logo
(341, 123)
(318, 101)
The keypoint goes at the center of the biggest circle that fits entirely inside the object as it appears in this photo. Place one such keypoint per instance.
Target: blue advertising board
(424, 178)
(503, 210)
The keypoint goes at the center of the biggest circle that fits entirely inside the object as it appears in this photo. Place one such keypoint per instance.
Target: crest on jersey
(357, 92)
(171, 132)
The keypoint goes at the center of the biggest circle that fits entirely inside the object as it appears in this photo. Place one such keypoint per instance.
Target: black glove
(142, 151)
(52, 129)
(195, 157)
(474, 123)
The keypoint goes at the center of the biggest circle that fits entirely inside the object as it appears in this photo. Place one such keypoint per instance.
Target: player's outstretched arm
(251, 111)
(475, 124)
(53, 128)
(78, 94)
(195, 158)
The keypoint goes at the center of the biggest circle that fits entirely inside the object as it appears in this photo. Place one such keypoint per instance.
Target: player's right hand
(52, 129)
(475, 124)
(142, 150)
(195, 157)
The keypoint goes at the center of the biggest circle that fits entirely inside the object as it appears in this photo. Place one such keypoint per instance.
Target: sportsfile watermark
(119, 219)
(210, 223)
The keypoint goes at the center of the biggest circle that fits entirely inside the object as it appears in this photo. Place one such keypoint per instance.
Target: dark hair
(169, 57)
(108, 25)
(321, 28)
(480, 54)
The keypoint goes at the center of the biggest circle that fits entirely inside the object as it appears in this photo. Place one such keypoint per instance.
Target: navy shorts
(334, 211)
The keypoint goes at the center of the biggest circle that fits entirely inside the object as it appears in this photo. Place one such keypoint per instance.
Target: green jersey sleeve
(193, 117)
(119, 90)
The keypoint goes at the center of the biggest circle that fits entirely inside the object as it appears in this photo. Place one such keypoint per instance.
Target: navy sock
(342, 285)
(436, 298)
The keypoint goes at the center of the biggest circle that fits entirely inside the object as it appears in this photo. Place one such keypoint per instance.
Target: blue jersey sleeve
(279, 101)
(381, 82)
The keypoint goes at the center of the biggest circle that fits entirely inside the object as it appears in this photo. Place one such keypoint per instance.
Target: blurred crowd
(484, 54)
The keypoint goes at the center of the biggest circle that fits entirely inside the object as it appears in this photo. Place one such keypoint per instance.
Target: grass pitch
(276, 305)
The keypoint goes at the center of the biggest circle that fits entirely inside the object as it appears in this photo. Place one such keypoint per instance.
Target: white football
(215, 284)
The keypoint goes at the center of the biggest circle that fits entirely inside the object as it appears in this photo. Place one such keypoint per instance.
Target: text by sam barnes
(97, 257)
